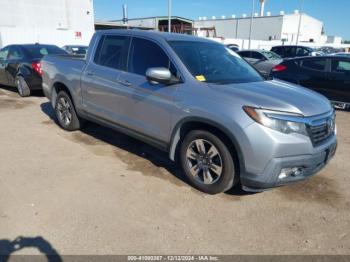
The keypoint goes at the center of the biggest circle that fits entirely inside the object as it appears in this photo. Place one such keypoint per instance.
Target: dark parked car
(262, 60)
(342, 54)
(328, 75)
(20, 66)
(78, 50)
(291, 51)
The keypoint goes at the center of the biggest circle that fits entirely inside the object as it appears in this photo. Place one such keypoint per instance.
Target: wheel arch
(197, 123)
(58, 87)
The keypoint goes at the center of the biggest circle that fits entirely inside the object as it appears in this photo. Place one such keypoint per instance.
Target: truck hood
(276, 95)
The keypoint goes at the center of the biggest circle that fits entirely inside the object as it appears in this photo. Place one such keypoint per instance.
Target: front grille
(322, 131)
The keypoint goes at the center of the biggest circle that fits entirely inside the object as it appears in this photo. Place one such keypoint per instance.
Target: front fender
(176, 137)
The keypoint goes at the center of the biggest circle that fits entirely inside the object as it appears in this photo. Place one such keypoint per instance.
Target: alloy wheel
(64, 111)
(204, 161)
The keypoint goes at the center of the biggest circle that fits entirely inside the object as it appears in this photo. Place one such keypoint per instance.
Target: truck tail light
(36, 66)
(279, 68)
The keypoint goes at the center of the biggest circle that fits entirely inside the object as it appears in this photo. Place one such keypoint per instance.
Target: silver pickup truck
(199, 101)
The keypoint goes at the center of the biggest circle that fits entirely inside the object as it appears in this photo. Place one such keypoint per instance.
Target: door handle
(124, 83)
(89, 73)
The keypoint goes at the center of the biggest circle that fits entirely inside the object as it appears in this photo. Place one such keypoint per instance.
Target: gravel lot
(101, 192)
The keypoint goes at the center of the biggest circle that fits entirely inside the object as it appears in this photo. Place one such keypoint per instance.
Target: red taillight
(36, 66)
(279, 68)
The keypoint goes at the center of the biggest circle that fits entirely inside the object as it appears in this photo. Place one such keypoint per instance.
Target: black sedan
(328, 75)
(20, 66)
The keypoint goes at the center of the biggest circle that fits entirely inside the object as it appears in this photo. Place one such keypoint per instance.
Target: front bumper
(310, 164)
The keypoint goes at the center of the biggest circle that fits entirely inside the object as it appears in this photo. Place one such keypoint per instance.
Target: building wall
(57, 22)
(268, 28)
(146, 23)
(239, 27)
(310, 28)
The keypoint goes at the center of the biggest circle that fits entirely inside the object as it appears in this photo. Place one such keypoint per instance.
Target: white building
(266, 28)
(60, 22)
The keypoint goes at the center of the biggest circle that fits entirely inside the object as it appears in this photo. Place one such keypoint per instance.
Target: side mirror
(160, 75)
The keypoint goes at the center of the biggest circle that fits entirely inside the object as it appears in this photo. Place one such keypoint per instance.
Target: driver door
(148, 107)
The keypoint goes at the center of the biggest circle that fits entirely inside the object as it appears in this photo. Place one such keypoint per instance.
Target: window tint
(289, 51)
(302, 51)
(4, 53)
(15, 53)
(112, 52)
(340, 66)
(315, 64)
(245, 54)
(258, 56)
(278, 50)
(145, 54)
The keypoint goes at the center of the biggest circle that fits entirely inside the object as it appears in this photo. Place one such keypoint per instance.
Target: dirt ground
(101, 192)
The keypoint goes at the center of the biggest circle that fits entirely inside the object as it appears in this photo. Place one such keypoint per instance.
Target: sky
(334, 13)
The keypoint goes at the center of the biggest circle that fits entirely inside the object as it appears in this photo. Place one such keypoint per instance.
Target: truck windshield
(214, 63)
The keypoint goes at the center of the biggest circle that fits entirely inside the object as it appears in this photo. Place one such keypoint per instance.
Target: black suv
(290, 51)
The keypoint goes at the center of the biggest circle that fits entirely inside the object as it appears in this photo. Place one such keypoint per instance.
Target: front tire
(65, 112)
(207, 162)
(22, 86)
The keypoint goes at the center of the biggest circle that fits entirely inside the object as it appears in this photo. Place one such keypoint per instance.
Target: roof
(156, 35)
(157, 17)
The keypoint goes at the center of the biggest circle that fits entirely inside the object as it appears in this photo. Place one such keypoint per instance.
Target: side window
(340, 66)
(15, 53)
(112, 51)
(302, 51)
(277, 50)
(257, 56)
(289, 51)
(245, 54)
(4, 53)
(315, 64)
(145, 54)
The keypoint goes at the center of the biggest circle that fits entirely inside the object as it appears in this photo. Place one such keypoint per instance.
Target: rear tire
(66, 113)
(207, 162)
(22, 86)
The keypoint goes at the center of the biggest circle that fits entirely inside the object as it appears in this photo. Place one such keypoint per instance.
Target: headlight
(284, 122)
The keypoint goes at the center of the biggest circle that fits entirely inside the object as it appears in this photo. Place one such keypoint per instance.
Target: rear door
(339, 89)
(3, 64)
(313, 74)
(102, 93)
(15, 57)
(149, 106)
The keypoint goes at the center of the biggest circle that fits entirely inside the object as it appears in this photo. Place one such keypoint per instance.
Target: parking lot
(101, 192)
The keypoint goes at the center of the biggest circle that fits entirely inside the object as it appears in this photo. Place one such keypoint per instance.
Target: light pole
(300, 16)
(169, 16)
(251, 24)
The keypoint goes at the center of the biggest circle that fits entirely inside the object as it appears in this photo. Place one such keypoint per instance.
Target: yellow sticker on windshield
(200, 78)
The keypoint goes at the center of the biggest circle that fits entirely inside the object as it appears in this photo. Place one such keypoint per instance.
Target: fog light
(287, 172)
